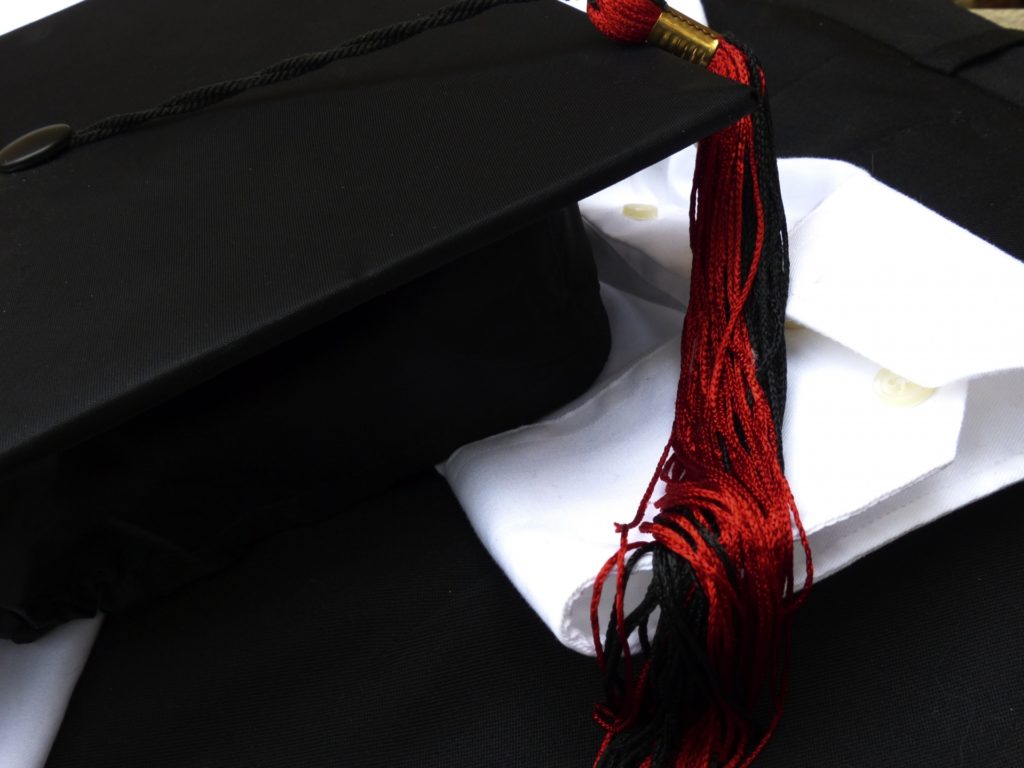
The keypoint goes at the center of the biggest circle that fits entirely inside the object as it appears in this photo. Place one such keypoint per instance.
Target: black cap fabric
(138, 266)
(304, 431)
(221, 325)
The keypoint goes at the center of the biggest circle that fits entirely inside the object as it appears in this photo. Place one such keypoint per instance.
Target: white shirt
(906, 399)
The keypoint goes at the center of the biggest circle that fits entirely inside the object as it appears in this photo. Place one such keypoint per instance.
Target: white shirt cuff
(902, 323)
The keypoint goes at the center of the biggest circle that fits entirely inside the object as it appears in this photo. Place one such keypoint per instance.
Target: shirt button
(640, 211)
(893, 389)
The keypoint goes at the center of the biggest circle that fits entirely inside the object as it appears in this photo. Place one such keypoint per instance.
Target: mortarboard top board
(219, 234)
(141, 266)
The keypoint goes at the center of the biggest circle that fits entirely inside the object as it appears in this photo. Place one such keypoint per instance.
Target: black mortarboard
(246, 313)
(139, 267)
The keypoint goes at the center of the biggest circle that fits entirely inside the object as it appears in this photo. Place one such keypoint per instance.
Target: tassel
(708, 688)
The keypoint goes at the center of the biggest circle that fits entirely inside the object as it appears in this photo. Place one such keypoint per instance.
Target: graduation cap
(238, 308)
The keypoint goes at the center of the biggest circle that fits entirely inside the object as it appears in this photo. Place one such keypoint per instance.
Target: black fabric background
(385, 638)
(913, 656)
(389, 638)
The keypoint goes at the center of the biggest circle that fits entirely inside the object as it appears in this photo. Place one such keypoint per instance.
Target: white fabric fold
(990, 456)
(864, 468)
(880, 275)
(846, 448)
(36, 680)
(15, 14)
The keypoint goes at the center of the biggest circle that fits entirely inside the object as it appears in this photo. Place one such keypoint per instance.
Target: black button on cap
(35, 147)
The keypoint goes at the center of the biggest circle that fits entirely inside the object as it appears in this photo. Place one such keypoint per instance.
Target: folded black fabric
(913, 656)
(384, 638)
(402, 645)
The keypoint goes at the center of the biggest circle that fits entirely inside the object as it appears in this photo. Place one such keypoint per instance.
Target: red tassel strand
(628, 21)
(708, 688)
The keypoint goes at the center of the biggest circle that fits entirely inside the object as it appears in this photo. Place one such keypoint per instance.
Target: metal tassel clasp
(684, 37)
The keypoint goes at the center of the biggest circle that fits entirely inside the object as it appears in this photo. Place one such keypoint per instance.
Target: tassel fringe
(708, 688)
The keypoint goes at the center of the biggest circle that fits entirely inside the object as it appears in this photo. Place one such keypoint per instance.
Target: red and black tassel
(707, 688)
